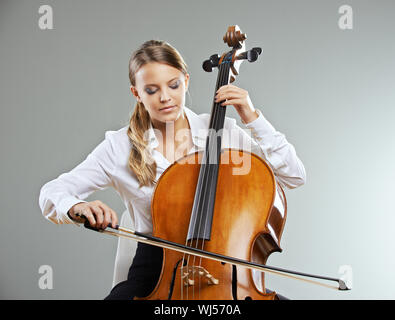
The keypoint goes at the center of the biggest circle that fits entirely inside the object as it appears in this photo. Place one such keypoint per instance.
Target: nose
(164, 96)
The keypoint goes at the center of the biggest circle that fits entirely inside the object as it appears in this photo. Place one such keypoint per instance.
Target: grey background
(330, 91)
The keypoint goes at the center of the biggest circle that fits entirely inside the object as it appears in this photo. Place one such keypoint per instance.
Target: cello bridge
(189, 273)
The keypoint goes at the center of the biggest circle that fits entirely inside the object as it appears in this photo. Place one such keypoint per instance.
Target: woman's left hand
(239, 98)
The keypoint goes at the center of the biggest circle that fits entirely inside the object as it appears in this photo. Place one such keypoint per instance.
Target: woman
(133, 158)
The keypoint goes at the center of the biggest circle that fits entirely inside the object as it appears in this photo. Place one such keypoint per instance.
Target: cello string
(206, 174)
(193, 223)
(210, 167)
(219, 117)
(214, 169)
(203, 176)
(213, 147)
(207, 185)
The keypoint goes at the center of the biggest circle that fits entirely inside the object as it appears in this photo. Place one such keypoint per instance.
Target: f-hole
(234, 282)
(173, 279)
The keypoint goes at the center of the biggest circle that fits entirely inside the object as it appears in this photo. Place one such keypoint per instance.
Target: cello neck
(203, 206)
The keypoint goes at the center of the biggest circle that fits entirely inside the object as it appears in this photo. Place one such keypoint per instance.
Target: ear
(135, 93)
(186, 81)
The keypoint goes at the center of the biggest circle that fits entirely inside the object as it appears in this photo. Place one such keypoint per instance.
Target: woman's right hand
(96, 212)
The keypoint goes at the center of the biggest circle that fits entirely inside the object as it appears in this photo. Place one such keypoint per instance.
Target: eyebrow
(152, 84)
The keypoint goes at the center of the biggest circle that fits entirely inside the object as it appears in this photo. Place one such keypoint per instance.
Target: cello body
(248, 220)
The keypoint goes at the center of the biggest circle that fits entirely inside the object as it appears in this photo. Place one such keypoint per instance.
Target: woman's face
(159, 86)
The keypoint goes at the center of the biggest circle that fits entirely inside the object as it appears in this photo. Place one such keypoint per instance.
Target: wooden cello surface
(246, 225)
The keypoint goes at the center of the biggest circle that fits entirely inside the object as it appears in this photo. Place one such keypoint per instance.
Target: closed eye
(149, 91)
(173, 86)
(176, 85)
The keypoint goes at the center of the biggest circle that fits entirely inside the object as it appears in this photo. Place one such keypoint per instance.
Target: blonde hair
(140, 161)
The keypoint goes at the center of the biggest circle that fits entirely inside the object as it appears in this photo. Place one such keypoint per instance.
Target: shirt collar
(198, 130)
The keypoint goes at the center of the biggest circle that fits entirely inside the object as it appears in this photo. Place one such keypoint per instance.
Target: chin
(171, 116)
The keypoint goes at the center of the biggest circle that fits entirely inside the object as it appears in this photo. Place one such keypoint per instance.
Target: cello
(216, 221)
(207, 210)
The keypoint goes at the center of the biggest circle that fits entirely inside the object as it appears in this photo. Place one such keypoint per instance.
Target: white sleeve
(94, 173)
(273, 147)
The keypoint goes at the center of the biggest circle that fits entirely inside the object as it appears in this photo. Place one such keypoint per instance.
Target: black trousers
(143, 275)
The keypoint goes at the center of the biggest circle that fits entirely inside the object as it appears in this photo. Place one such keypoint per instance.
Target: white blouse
(107, 165)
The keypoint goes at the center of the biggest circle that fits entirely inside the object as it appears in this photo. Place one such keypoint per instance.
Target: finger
(222, 88)
(110, 216)
(86, 212)
(107, 218)
(229, 95)
(98, 212)
(227, 86)
(232, 102)
(107, 215)
(233, 89)
(114, 219)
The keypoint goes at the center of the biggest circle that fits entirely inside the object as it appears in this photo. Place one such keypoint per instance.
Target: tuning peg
(208, 65)
(215, 59)
(252, 55)
(257, 49)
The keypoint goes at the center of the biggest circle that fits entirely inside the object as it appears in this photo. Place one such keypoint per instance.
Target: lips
(165, 108)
